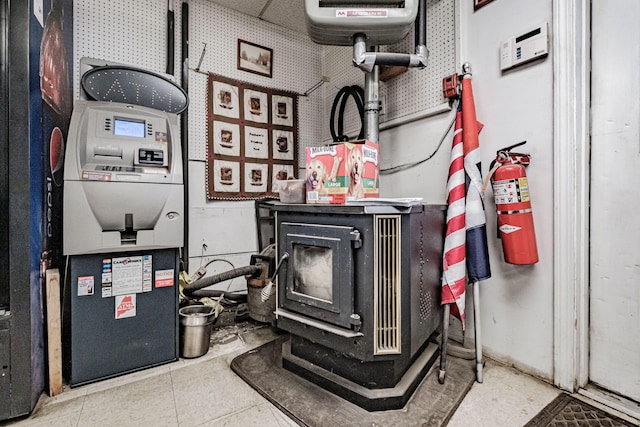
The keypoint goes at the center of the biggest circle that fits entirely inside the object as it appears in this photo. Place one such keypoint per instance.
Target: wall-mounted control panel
(528, 46)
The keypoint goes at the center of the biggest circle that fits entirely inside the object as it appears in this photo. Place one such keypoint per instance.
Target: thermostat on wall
(530, 45)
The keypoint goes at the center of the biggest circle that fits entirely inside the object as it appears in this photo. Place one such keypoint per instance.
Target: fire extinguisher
(513, 205)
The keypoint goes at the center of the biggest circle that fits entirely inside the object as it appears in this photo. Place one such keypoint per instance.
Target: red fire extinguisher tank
(515, 217)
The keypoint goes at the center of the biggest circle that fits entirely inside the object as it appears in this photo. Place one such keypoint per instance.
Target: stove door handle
(356, 241)
(283, 258)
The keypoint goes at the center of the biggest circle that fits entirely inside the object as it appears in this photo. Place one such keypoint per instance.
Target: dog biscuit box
(341, 172)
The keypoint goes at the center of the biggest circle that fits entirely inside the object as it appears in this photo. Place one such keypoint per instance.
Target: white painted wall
(615, 162)
(517, 302)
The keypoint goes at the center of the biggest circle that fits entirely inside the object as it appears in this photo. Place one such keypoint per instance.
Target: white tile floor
(206, 392)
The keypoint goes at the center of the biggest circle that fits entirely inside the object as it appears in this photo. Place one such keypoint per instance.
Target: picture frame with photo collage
(252, 139)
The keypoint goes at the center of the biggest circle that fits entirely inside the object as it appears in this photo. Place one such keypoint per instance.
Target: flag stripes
(454, 273)
(465, 249)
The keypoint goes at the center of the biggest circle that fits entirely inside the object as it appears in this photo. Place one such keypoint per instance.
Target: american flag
(466, 233)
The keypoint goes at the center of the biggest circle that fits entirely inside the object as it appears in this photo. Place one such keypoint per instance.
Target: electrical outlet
(199, 273)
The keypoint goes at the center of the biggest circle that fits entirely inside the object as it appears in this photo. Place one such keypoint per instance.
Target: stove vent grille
(387, 281)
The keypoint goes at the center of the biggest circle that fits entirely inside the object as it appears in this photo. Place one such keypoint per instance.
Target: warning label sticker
(164, 278)
(85, 285)
(125, 306)
(511, 191)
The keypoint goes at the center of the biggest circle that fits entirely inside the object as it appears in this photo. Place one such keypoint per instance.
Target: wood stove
(360, 296)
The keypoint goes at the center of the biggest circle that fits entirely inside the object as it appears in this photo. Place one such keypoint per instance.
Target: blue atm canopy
(134, 86)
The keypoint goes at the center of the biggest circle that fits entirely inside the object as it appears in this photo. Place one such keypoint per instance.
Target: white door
(614, 360)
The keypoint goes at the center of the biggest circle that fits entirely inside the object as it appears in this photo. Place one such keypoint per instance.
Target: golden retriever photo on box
(355, 168)
(316, 176)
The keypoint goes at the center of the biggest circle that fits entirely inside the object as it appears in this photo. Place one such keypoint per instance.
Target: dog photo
(355, 170)
(316, 177)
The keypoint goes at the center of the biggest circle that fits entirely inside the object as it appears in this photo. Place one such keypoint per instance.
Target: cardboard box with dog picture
(341, 172)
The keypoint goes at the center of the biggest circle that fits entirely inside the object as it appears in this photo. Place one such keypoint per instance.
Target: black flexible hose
(336, 100)
(357, 93)
(217, 293)
(206, 281)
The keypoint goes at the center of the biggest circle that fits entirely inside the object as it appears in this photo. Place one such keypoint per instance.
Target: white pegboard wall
(338, 66)
(128, 32)
(135, 34)
(400, 92)
(416, 90)
(296, 67)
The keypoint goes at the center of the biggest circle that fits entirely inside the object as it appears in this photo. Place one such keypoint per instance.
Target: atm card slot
(150, 157)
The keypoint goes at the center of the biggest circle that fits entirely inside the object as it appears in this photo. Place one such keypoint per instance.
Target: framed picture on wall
(248, 152)
(254, 59)
(477, 4)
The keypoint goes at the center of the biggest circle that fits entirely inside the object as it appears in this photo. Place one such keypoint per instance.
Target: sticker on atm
(147, 271)
(85, 285)
(161, 137)
(96, 176)
(125, 306)
(107, 290)
(164, 278)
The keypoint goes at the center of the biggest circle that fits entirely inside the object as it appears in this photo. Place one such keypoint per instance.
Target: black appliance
(123, 309)
(360, 295)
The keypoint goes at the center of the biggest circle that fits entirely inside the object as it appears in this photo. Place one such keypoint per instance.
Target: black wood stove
(360, 296)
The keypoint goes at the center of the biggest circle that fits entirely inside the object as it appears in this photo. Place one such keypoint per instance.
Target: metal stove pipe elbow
(367, 60)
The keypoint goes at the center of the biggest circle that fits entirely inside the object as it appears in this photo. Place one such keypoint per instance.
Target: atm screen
(128, 128)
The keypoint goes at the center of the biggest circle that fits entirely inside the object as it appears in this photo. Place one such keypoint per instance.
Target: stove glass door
(319, 275)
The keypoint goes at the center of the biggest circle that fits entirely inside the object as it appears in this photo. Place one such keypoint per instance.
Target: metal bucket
(195, 329)
(260, 309)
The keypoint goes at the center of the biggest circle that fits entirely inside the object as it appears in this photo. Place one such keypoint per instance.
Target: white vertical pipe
(476, 321)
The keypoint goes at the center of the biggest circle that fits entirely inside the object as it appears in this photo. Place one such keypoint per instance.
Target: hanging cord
(357, 93)
(399, 168)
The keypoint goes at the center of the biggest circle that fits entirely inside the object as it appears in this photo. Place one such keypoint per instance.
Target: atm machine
(122, 225)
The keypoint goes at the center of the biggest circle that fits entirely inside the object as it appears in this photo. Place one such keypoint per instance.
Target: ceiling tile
(248, 7)
(287, 13)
